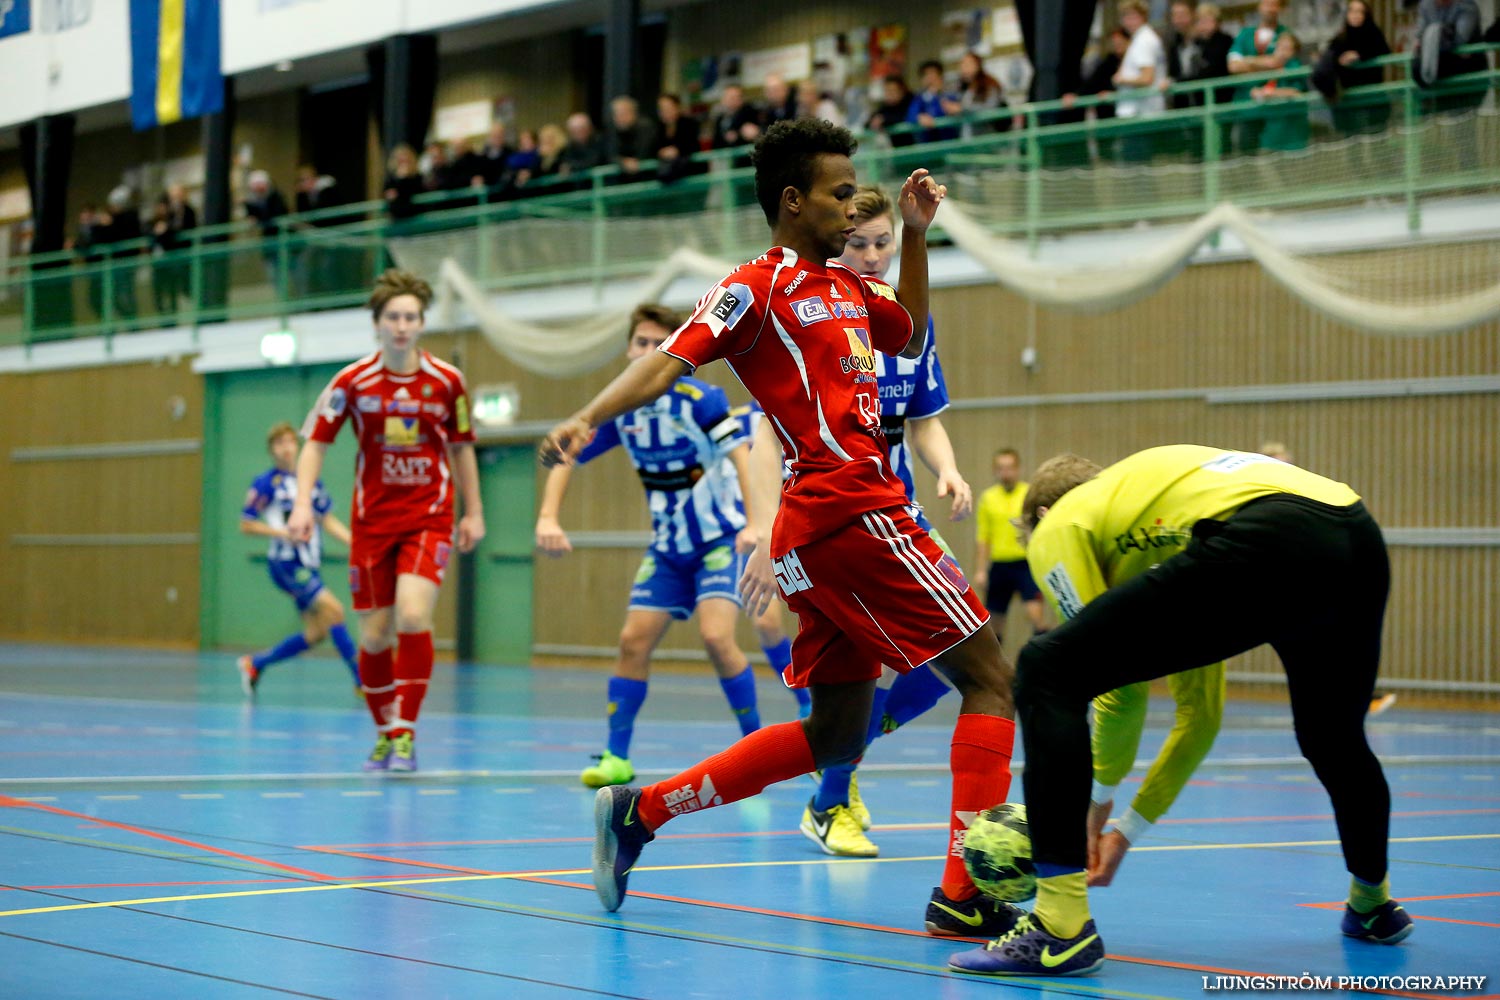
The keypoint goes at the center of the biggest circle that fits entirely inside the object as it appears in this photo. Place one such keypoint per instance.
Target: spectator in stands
(403, 182)
(467, 164)
(1214, 44)
(814, 103)
(1359, 40)
(676, 138)
(1097, 80)
(1442, 27)
(85, 242)
(170, 223)
(585, 148)
(1184, 51)
(1142, 70)
(526, 161)
(551, 142)
(1257, 49)
(895, 102)
(780, 105)
(437, 171)
(630, 138)
(932, 102)
(264, 204)
(1285, 119)
(318, 270)
(736, 123)
(978, 92)
(121, 231)
(491, 159)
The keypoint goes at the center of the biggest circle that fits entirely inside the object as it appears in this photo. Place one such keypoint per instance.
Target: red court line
(809, 918)
(13, 803)
(406, 861)
(1408, 899)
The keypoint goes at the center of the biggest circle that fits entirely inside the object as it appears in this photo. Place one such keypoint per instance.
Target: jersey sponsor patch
(402, 432)
(811, 310)
(1232, 461)
(725, 307)
(952, 573)
(367, 404)
(334, 405)
(882, 289)
(461, 414)
(861, 356)
(1061, 585)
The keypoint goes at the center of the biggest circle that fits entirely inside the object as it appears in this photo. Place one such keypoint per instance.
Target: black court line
(168, 968)
(336, 947)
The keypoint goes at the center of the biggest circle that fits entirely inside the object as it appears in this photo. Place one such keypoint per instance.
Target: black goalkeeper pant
(1224, 594)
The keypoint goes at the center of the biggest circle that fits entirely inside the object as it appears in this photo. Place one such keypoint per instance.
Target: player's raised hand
(919, 200)
(758, 586)
(551, 539)
(299, 524)
(470, 532)
(563, 443)
(951, 484)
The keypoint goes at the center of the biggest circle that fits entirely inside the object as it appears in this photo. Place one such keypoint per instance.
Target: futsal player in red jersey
(416, 450)
(868, 585)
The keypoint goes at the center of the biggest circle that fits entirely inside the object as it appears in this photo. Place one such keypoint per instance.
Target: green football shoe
(610, 770)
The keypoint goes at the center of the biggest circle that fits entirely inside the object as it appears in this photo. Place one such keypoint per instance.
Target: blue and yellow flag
(174, 61)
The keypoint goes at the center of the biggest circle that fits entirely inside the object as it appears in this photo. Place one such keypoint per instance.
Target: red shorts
(878, 591)
(375, 560)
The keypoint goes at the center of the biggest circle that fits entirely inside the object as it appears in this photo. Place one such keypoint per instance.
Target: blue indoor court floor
(160, 837)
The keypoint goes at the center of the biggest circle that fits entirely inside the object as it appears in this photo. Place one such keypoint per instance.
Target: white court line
(1403, 760)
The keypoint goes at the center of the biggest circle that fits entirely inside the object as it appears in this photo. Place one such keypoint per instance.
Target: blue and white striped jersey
(270, 497)
(910, 389)
(678, 445)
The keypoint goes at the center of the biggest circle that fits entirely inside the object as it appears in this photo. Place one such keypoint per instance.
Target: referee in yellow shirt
(1106, 544)
(1000, 555)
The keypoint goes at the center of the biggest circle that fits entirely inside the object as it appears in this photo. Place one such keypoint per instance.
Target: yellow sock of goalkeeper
(1062, 902)
(1365, 898)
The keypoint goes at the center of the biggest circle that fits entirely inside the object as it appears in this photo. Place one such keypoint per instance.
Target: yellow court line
(718, 865)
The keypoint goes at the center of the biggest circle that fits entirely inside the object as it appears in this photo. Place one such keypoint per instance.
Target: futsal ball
(997, 853)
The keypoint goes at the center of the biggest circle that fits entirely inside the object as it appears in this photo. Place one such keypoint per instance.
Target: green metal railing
(568, 229)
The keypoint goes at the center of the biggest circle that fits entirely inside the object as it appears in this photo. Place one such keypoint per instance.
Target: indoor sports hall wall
(101, 504)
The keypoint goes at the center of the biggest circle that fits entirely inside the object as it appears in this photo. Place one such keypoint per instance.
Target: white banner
(790, 62)
(75, 55)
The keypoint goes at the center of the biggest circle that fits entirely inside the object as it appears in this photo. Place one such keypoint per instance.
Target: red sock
(413, 668)
(375, 678)
(980, 760)
(763, 758)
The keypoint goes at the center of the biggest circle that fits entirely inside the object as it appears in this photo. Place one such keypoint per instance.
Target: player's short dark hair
(786, 155)
(929, 64)
(1002, 452)
(396, 282)
(279, 431)
(653, 312)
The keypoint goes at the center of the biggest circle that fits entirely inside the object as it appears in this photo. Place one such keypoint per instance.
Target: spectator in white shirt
(1138, 81)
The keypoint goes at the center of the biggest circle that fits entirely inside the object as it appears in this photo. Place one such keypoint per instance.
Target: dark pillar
(621, 47)
(218, 158)
(47, 156)
(403, 78)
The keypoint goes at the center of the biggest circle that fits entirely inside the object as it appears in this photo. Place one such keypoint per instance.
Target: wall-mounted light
(496, 405)
(279, 348)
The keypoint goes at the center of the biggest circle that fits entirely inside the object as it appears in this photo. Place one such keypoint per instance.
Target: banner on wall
(464, 121)
(790, 62)
(15, 17)
(965, 31)
(888, 51)
(174, 61)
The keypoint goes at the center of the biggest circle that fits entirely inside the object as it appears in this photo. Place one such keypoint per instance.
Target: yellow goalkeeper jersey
(1141, 510)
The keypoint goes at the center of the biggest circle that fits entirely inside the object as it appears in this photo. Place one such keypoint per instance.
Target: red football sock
(980, 760)
(375, 679)
(413, 669)
(763, 758)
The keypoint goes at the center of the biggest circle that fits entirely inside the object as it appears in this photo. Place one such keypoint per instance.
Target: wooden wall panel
(536, 74)
(145, 593)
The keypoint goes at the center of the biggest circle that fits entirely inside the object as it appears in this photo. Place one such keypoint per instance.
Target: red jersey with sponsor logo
(801, 336)
(405, 424)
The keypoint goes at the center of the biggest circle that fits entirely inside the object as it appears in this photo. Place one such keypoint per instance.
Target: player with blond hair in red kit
(416, 450)
(868, 585)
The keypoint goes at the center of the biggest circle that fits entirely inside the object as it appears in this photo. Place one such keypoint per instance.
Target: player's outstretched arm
(299, 525)
(919, 199)
(337, 528)
(645, 380)
(466, 471)
(551, 540)
(762, 489)
(251, 526)
(929, 439)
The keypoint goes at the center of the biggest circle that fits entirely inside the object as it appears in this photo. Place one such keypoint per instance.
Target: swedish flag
(174, 61)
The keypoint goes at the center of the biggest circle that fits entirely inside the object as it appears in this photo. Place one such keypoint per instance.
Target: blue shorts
(1006, 580)
(303, 584)
(676, 583)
